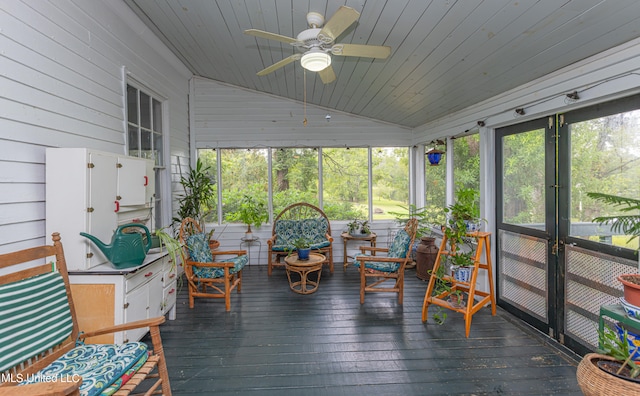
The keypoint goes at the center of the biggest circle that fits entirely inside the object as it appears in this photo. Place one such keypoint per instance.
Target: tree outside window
(345, 179)
(295, 177)
(390, 173)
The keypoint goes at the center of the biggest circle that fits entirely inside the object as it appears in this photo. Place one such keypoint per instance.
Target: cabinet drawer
(142, 276)
(170, 274)
(169, 297)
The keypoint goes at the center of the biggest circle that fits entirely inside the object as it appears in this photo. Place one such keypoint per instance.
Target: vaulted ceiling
(445, 54)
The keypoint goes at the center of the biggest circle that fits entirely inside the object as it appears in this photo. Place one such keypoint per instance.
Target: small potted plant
(359, 228)
(252, 213)
(461, 264)
(303, 247)
(612, 371)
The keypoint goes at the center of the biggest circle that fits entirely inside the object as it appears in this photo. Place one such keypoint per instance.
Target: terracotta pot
(594, 381)
(631, 288)
(426, 254)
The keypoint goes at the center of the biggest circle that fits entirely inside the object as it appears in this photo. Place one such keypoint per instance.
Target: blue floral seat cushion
(99, 365)
(199, 251)
(398, 249)
(313, 230)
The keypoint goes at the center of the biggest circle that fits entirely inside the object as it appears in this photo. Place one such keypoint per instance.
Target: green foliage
(359, 227)
(461, 259)
(198, 194)
(251, 212)
(465, 208)
(612, 345)
(427, 219)
(627, 224)
(301, 243)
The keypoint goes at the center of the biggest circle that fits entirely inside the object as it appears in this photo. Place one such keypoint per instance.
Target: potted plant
(252, 213)
(627, 223)
(611, 371)
(359, 228)
(195, 202)
(461, 264)
(303, 247)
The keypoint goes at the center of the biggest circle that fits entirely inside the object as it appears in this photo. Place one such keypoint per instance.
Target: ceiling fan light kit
(317, 43)
(315, 60)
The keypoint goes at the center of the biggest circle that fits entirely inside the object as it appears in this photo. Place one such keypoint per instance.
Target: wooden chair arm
(228, 252)
(382, 259)
(271, 240)
(216, 264)
(59, 387)
(157, 321)
(329, 238)
(373, 249)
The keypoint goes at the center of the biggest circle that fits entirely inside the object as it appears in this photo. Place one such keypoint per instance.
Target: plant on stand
(252, 213)
(359, 228)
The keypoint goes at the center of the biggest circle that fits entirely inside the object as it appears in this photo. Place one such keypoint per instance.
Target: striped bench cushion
(34, 316)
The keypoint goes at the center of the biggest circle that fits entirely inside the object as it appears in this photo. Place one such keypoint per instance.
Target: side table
(346, 237)
(249, 242)
(303, 268)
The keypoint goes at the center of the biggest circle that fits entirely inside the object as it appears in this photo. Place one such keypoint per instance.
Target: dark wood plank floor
(276, 342)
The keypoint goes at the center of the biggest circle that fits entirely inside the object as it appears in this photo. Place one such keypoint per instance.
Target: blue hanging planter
(434, 156)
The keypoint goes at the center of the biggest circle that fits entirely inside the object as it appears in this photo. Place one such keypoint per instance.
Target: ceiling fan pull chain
(304, 96)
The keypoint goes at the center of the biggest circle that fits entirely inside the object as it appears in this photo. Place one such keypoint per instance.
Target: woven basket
(596, 382)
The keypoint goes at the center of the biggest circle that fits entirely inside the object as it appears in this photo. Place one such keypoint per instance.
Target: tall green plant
(198, 194)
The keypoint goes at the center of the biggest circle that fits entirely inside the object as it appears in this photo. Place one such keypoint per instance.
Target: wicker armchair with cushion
(382, 269)
(209, 273)
(295, 221)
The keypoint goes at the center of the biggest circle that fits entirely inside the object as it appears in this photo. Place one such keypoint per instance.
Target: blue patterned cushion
(198, 246)
(287, 231)
(400, 245)
(398, 249)
(98, 365)
(375, 265)
(208, 272)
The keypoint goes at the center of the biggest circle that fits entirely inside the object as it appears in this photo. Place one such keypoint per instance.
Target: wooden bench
(299, 220)
(42, 350)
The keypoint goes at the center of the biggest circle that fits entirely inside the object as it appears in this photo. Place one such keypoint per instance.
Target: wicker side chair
(209, 273)
(380, 268)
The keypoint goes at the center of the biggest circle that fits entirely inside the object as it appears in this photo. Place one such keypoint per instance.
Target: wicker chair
(299, 219)
(206, 277)
(43, 346)
(383, 268)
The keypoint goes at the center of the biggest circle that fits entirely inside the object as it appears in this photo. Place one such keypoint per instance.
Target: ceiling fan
(317, 44)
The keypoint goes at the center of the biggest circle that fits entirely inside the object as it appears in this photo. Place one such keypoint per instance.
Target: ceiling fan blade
(339, 22)
(270, 36)
(366, 51)
(327, 75)
(278, 65)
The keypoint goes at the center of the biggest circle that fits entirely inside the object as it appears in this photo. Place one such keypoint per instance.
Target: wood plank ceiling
(445, 54)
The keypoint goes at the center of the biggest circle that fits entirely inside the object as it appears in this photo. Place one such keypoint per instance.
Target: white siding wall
(229, 116)
(62, 86)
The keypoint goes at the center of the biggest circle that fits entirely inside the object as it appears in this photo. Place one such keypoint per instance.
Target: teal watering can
(127, 249)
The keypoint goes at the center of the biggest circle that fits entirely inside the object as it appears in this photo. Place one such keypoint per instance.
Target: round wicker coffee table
(303, 268)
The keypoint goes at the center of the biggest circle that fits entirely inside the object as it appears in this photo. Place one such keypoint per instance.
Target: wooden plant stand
(471, 305)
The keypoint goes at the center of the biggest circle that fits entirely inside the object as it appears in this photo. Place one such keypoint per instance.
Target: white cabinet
(93, 192)
(104, 296)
